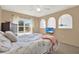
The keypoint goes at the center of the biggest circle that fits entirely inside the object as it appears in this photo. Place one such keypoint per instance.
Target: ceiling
(32, 9)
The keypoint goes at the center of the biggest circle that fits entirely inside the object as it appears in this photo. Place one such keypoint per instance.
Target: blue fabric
(50, 30)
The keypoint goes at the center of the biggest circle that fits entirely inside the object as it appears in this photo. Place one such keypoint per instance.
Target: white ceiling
(31, 9)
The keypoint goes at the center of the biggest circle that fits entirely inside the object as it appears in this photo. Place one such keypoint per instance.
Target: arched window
(51, 22)
(42, 23)
(65, 21)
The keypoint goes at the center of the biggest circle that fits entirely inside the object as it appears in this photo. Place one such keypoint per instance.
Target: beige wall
(8, 15)
(69, 36)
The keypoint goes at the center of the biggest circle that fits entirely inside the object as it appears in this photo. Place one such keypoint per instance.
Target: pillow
(10, 35)
(5, 43)
(1, 32)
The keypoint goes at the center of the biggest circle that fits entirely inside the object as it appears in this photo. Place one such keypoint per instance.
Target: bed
(30, 44)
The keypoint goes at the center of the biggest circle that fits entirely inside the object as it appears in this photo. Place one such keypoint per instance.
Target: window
(24, 26)
(65, 21)
(51, 22)
(42, 23)
(21, 23)
(20, 26)
(28, 26)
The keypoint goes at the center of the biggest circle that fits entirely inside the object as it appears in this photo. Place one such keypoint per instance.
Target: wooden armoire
(5, 26)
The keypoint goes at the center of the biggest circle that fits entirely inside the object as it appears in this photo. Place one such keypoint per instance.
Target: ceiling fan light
(38, 9)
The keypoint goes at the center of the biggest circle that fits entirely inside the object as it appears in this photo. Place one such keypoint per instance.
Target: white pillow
(5, 43)
(10, 35)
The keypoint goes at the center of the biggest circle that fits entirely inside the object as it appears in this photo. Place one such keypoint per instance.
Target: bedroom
(35, 18)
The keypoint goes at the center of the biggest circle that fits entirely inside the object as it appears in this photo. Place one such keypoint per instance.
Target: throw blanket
(51, 38)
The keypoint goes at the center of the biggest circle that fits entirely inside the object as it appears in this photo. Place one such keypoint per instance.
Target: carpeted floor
(66, 49)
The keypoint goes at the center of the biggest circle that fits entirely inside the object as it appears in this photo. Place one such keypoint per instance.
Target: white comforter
(29, 38)
(30, 44)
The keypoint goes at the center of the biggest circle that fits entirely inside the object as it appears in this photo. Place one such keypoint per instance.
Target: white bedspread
(30, 44)
(37, 47)
(29, 38)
